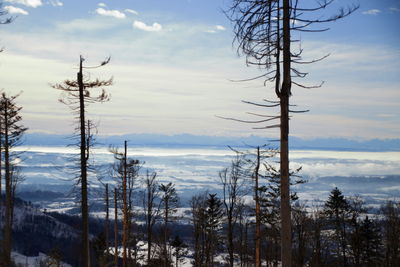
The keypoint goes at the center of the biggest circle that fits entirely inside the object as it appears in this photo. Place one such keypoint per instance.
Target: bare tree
(233, 188)
(116, 227)
(12, 132)
(151, 209)
(126, 171)
(264, 32)
(77, 94)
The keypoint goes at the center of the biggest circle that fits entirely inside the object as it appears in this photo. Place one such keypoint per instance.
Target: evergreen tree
(371, 243)
(77, 94)
(337, 210)
(169, 204)
(213, 223)
(12, 131)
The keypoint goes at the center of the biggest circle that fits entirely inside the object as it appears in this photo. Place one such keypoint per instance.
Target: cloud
(102, 5)
(15, 10)
(131, 11)
(394, 9)
(56, 3)
(110, 13)
(30, 3)
(215, 29)
(156, 27)
(372, 12)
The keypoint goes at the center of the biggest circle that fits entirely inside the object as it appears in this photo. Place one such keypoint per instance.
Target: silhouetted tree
(233, 189)
(12, 131)
(77, 94)
(169, 204)
(391, 232)
(213, 223)
(371, 240)
(264, 33)
(337, 210)
(179, 250)
(151, 208)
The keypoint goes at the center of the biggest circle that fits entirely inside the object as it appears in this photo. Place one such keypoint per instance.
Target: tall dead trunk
(8, 201)
(286, 246)
(125, 210)
(258, 221)
(115, 229)
(107, 222)
(83, 160)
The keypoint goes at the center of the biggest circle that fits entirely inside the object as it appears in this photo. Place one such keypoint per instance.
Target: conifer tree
(337, 210)
(77, 94)
(12, 131)
(169, 204)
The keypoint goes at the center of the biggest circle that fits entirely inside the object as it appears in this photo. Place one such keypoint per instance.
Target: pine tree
(337, 210)
(12, 132)
(77, 94)
(169, 204)
(213, 223)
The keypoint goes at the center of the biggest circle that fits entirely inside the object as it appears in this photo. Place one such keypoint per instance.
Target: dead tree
(265, 34)
(77, 94)
(233, 189)
(151, 209)
(107, 222)
(115, 228)
(12, 132)
(126, 171)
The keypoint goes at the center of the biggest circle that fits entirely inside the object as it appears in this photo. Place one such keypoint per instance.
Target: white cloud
(156, 27)
(56, 3)
(372, 12)
(102, 5)
(394, 9)
(15, 10)
(111, 13)
(30, 3)
(220, 28)
(215, 29)
(131, 11)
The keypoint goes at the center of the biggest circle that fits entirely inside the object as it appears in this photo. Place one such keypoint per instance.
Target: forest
(254, 218)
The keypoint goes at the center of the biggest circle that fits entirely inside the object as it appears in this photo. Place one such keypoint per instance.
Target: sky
(174, 64)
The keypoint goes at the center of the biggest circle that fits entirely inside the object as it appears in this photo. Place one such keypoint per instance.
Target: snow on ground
(25, 261)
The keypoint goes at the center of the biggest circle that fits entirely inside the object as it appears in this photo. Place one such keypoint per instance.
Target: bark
(83, 160)
(8, 201)
(125, 212)
(258, 222)
(107, 223)
(286, 246)
(115, 229)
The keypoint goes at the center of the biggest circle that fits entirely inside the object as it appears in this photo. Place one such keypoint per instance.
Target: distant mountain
(188, 140)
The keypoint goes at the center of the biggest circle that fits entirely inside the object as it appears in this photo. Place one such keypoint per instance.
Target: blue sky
(172, 62)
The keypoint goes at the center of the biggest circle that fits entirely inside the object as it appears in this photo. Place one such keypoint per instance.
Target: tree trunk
(125, 212)
(115, 229)
(149, 220)
(258, 223)
(166, 234)
(8, 201)
(286, 247)
(107, 224)
(83, 159)
(230, 237)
